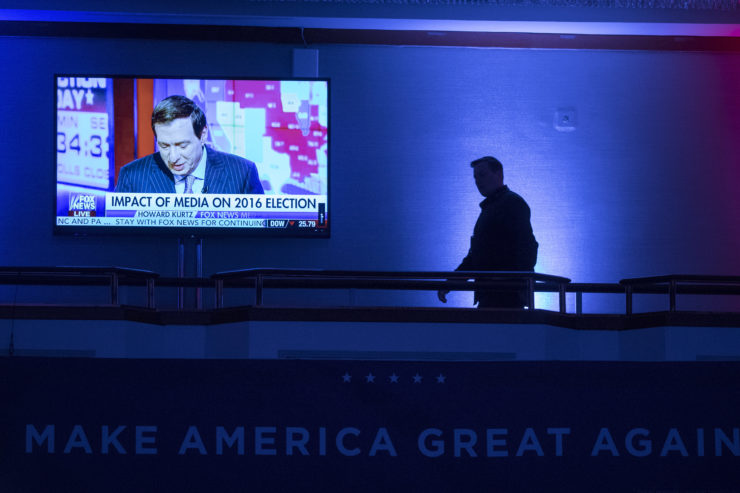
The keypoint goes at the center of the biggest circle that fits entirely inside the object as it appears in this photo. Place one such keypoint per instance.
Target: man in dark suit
(183, 164)
(502, 238)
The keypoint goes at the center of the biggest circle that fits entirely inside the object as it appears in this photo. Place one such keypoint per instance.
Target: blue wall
(645, 184)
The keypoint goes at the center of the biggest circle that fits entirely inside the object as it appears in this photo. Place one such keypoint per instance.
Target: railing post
(561, 296)
(114, 288)
(530, 292)
(672, 295)
(219, 301)
(258, 290)
(150, 293)
(628, 296)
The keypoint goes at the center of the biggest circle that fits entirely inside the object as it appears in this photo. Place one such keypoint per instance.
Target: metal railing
(261, 280)
(112, 277)
(679, 283)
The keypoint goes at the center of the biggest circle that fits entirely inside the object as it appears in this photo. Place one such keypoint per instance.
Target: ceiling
(600, 24)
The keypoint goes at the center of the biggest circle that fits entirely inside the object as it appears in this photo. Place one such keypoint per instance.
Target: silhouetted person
(502, 238)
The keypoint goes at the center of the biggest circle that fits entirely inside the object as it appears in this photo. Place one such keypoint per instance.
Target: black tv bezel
(184, 232)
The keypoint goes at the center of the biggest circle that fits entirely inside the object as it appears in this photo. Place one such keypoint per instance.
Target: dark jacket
(225, 173)
(502, 239)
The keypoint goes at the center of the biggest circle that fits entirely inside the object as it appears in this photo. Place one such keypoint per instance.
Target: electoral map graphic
(280, 125)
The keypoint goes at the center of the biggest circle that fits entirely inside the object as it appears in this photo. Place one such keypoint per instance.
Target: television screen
(192, 156)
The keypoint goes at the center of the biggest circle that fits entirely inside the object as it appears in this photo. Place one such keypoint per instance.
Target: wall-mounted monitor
(191, 156)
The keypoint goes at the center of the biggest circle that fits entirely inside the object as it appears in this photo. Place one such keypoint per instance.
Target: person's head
(181, 130)
(489, 174)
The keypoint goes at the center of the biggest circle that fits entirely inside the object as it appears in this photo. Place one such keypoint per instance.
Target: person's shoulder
(226, 157)
(511, 194)
(140, 163)
(511, 197)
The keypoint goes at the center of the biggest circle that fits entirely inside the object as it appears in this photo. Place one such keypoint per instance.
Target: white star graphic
(441, 378)
(394, 378)
(89, 97)
(346, 378)
(370, 378)
(417, 378)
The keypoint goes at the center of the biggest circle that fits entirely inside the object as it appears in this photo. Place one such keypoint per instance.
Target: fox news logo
(81, 205)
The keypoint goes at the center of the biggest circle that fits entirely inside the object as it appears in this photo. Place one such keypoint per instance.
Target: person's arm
(123, 185)
(254, 185)
(464, 265)
(524, 247)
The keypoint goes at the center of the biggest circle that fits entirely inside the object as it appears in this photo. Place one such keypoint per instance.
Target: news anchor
(183, 163)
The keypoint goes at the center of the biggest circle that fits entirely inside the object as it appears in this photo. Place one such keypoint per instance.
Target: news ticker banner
(287, 425)
(194, 210)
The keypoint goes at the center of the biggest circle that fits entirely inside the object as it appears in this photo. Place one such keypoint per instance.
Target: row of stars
(370, 378)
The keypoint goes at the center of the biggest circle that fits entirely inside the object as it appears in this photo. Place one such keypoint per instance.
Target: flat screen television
(280, 125)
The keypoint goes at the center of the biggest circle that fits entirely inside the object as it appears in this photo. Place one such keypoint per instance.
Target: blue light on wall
(644, 184)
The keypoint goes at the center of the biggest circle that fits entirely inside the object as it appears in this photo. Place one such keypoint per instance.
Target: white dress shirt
(199, 173)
